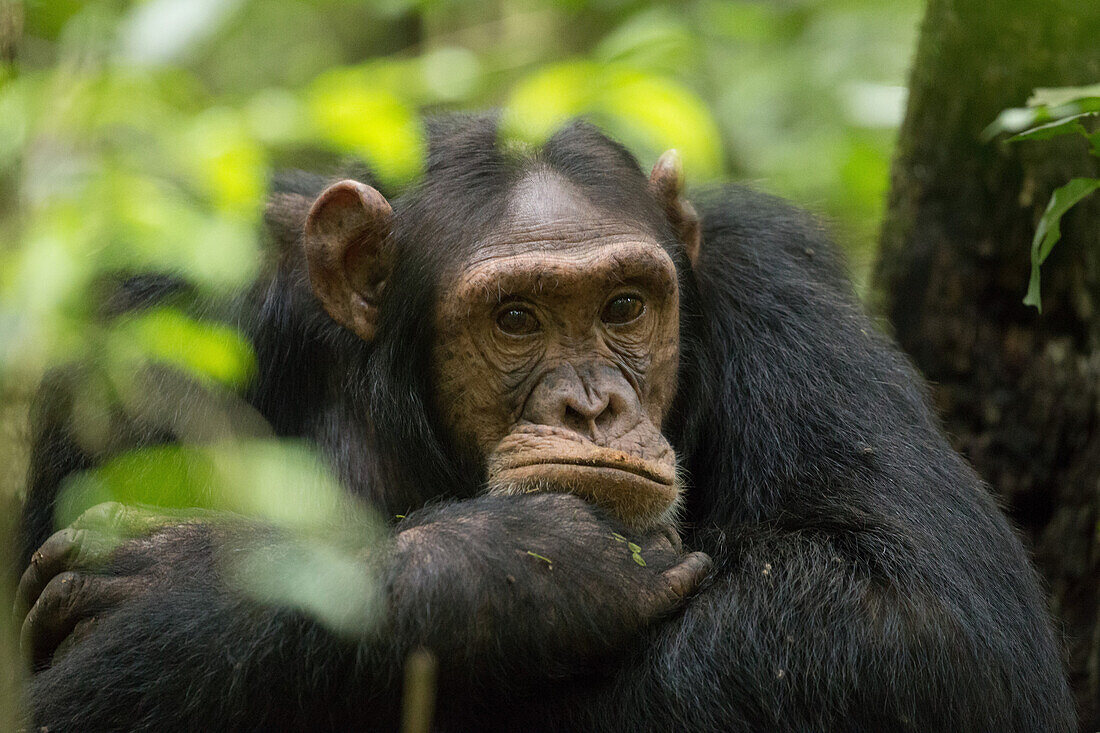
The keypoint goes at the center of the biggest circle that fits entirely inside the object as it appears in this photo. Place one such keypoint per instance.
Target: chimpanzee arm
(803, 631)
(504, 590)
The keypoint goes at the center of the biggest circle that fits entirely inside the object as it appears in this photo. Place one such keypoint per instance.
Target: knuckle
(678, 583)
(672, 537)
(81, 553)
(671, 596)
(56, 547)
(101, 514)
(701, 563)
(63, 592)
(659, 541)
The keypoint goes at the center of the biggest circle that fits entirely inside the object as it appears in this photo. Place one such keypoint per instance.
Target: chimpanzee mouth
(635, 468)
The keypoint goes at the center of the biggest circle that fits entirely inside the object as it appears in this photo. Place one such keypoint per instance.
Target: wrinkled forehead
(549, 235)
(545, 214)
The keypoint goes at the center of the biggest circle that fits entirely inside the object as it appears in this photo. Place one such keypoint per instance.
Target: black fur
(865, 580)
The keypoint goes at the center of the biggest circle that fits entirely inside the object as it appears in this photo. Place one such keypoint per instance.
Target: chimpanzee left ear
(667, 183)
(346, 233)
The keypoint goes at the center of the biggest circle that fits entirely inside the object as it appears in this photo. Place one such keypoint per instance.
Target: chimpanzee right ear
(349, 262)
(667, 183)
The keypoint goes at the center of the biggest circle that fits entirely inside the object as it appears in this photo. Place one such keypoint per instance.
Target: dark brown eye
(517, 321)
(622, 309)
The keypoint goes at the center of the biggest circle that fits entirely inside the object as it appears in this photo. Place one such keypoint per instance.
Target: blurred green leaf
(323, 579)
(226, 162)
(656, 40)
(743, 21)
(277, 117)
(317, 564)
(649, 113)
(542, 102)
(359, 117)
(656, 114)
(280, 482)
(450, 73)
(206, 350)
(1049, 230)
(47, 18)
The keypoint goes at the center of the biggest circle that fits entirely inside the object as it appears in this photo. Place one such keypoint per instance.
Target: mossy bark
(1019, 391)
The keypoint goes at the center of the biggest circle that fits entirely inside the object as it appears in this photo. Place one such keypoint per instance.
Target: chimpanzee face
(557, 339)
(557, 350)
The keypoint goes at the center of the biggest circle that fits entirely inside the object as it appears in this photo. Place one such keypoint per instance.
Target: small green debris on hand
(546, 560)
(635, 548)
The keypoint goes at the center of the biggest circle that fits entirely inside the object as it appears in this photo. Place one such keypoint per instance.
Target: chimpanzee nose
(589, 399)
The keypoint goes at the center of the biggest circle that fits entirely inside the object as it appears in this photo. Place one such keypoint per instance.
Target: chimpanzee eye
(622, 309)
(517, 321)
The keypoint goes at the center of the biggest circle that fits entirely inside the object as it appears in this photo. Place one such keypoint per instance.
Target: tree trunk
(1019, 391)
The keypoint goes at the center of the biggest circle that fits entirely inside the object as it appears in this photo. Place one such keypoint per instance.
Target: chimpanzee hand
(538, 584)
(519, 586)
(110, 554)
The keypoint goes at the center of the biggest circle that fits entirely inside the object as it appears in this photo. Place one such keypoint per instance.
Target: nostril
(605, 419)
(612, 408)
(574, 420)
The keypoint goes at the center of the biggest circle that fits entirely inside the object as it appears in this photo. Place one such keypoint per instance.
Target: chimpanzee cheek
(469, 390)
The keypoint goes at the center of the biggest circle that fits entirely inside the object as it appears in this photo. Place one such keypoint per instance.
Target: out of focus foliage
(1053, 113)
(139, 135)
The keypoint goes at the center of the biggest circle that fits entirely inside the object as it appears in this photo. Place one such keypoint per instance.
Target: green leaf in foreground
(207, 350)
(1049, 230)
(1065, 126)
(1027, 119)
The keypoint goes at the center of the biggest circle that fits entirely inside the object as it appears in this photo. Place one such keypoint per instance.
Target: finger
(80, 632)
(659, 545)
(126, 521)
(685, 578)
(67, 549)
(673, 535)
(47, 561)
(67, 600)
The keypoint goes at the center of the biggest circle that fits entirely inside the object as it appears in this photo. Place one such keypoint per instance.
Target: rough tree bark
(1019, 391)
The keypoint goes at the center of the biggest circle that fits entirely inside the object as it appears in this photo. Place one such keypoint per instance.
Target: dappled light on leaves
(649, 113)
(362, 119)
(209, 351)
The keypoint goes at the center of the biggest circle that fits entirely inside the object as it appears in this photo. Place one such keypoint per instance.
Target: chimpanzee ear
(667, 183)
(346, 251)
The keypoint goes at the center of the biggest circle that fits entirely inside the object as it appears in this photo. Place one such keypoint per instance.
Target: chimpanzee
(547, 354)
